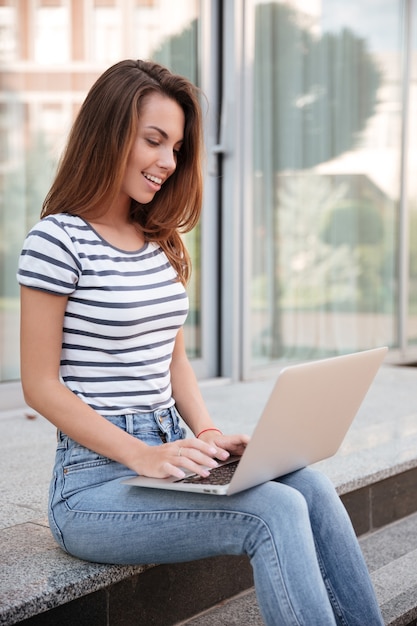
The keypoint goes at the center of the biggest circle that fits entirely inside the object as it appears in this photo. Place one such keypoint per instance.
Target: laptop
(305, 420)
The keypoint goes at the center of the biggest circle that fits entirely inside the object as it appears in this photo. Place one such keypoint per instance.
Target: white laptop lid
(305, 420)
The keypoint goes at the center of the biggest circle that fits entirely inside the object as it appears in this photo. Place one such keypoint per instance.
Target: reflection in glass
(51, 35)
(327, 121)
(48, 64)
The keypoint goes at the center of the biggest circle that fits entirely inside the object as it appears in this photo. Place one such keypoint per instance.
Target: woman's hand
(226, 444)
(171, 459)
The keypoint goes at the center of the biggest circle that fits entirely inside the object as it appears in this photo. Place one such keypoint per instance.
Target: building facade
(308, 242)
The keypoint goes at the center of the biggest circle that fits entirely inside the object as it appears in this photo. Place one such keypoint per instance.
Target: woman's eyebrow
(162, 132)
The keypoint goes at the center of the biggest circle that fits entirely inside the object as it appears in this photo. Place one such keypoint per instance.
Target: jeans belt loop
(129, 423)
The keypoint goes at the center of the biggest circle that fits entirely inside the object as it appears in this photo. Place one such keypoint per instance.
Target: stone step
(391, 555)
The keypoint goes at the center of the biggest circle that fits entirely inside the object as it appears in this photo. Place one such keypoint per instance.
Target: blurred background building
(308, 242)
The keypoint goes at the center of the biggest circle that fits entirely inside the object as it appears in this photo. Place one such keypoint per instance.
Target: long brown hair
(92, 167)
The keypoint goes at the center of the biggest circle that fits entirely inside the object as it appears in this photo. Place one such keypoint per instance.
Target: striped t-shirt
(123, 313)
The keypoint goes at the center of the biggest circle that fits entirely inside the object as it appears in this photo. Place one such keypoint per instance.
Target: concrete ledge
(36, 575)
(43, 586)
(383, 502)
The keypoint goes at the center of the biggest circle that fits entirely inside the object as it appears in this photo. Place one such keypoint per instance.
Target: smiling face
(153, 157)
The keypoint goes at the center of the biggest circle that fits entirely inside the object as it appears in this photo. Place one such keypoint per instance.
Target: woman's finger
(193, 459)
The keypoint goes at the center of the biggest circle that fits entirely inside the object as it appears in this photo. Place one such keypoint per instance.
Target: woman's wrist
(205, 430)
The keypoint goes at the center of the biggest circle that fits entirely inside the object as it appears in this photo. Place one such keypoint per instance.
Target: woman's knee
(320, 495)
(311, 483)
(276, 501)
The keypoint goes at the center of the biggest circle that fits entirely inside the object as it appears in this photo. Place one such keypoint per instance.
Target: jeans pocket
(83, 469)
(78, 456)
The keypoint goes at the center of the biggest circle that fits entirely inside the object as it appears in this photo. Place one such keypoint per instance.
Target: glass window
(51, 40)
(38, 103)
(8, 39)
(326, 186)
(107, 34)
(411, 133)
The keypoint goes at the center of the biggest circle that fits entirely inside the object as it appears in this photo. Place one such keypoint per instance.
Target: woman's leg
(278, 525)
(341, 561)
(115, 523)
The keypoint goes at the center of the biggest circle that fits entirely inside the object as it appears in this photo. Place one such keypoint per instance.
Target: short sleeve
(48, 260)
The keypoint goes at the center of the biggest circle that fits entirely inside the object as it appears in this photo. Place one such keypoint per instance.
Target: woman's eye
(152, 142)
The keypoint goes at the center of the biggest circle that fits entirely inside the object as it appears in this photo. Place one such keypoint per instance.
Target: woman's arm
(191, 405)
(42, 317)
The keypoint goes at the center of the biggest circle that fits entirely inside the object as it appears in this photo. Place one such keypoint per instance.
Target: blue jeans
(307, 564)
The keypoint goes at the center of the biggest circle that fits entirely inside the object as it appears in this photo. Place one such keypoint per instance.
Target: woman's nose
(168, 160)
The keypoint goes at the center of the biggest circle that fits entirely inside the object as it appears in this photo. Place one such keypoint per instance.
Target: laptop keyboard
(218, 476)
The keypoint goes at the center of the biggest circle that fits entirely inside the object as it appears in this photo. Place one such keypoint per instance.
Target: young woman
(102, 353)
